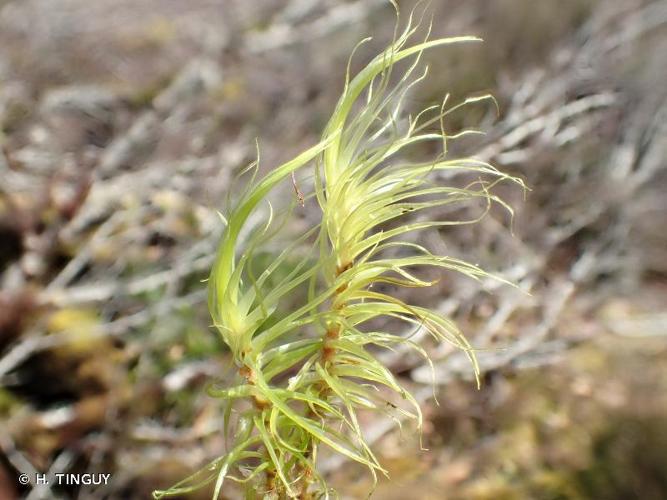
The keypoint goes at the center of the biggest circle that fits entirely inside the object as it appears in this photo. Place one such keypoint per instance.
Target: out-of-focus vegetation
(122, 126)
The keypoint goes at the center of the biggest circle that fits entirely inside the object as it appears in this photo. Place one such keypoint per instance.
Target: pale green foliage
(361, 186)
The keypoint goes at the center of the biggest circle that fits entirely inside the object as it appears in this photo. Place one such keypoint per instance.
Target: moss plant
(304, 374)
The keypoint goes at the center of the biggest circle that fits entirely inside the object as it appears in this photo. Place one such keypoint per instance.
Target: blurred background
(122, 124)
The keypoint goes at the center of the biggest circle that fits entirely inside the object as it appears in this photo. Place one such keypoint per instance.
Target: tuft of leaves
(304, 374)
